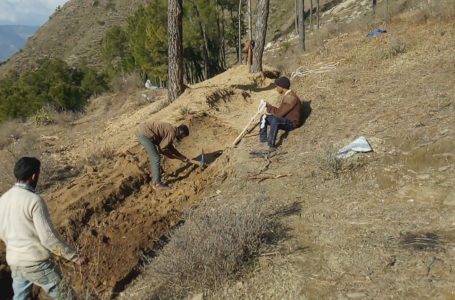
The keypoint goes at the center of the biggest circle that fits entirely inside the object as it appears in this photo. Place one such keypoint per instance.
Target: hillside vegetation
(133, 46)
(74, 33)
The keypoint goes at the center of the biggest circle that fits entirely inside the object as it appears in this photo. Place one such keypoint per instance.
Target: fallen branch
(264, 176)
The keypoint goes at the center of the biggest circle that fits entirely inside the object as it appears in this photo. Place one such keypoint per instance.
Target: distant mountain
(74, 33)
(13, 38)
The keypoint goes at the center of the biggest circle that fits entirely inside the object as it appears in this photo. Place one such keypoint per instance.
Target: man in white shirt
(30, 237)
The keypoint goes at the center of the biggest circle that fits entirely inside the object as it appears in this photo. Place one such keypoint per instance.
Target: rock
(443, 169)
(423, 177)
(444, 132)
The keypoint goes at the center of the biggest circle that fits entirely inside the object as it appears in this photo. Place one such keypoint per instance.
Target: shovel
(202, 163)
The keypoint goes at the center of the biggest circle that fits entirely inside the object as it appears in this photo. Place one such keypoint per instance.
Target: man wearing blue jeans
(286, 117)
(159, 137)
(30, 237)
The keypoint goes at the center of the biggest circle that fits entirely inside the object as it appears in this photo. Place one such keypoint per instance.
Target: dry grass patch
(29, 145)
(213, 246)
(10, 132)
(329, 162)
(100, 153)
(127, 83)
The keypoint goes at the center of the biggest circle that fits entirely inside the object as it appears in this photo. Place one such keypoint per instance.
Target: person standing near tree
(30, 237)
(248, 52)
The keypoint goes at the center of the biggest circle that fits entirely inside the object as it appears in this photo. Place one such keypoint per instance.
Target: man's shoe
(160, 187)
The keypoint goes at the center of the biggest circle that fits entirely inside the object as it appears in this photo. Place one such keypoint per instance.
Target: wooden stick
(262, 177)
(245, 130)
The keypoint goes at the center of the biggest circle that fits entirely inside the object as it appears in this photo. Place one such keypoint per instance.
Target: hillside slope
(74, 33)
(379, 225)
(376, 226)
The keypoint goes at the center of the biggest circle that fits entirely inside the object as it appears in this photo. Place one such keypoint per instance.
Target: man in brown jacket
(248, 52)
(286, 117)
(159, 137)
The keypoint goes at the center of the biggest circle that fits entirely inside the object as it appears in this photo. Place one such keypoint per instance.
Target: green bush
(53, 84)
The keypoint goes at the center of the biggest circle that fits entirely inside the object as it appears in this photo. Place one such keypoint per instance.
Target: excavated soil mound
(114, 215)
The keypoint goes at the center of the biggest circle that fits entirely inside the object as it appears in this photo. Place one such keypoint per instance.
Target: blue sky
(27, 12)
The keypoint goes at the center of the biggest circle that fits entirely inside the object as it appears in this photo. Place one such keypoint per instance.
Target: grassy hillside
(297, 224)
(73, 33)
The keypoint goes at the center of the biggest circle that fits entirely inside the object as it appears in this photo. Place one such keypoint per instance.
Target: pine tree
(175, 52)
(261, 32)
(302, 24)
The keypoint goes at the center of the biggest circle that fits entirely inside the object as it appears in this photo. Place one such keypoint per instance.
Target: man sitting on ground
(30, 237)
(159, 137)
(286, 117)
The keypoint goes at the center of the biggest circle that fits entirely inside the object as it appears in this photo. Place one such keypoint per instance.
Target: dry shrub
(329, 162)
(100, 153)
(423, 10)
(185, 111)
(127, 83)
(161, 105)
(44, 116)
(28, 145)
(211, 247)
(10, 132)
(48, 115)
(396, 46)
(66, 118)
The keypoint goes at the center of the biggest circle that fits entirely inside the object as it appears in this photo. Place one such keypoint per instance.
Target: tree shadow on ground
(254, 88)
(279, 230)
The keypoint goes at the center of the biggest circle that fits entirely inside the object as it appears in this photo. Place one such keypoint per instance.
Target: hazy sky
(27, 12)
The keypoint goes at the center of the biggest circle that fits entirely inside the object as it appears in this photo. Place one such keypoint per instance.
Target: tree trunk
(261, 32)
(250, 22)
(386, 10)
(311, 15)
(223, 46)
(317, 12)
(302, 24)
(220, 29)
(175, 50)
(240, 31)
(296, 16)
(205, 47)
(206, 52)
(374, 7)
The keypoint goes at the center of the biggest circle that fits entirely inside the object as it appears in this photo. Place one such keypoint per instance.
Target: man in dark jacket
(286, 117)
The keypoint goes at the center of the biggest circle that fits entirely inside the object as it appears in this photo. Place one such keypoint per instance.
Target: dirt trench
(114, 215)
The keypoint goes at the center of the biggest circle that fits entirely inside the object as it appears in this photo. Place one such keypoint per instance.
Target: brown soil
(114, 215)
